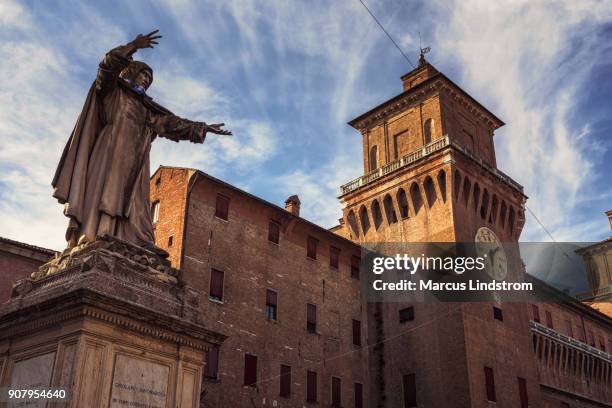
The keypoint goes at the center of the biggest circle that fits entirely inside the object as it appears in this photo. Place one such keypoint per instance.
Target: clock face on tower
(489, 247)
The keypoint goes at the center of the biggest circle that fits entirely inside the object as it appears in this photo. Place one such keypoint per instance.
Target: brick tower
(430, 175)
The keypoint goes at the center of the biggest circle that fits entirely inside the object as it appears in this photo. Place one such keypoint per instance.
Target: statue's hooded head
(139, 74)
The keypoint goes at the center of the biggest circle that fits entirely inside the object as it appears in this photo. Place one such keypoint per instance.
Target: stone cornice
(438, 82)
(84, 303)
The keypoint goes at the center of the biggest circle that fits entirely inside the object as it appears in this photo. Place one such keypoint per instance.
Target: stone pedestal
(112, 324)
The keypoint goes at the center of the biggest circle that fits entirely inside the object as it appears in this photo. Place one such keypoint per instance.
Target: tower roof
(415, 82)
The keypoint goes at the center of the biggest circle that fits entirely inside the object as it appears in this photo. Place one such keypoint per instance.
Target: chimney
(292, 204)
(609, 214)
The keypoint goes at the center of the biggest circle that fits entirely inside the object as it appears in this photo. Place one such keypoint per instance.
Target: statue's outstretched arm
(175, 128)
(118, 58)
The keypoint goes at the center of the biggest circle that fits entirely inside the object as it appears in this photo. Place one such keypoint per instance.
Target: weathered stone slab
(139, 383)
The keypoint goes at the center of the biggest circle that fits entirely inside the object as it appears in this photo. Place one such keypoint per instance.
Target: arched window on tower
(365, 220)
(466, 190)
(457, 185)
(428, 130)
(476, 197)
(376, 214)
(494, 207)
(415, 196)
(373, 155)
(402, 201)
(442, 184)
(430, 191)
(484, 207)
(352, 221)
(502, 214)
(389, 210)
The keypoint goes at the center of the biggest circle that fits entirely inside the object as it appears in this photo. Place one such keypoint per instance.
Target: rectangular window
(216, 285)
(311, 318)
(311, 250)
(222, 207)
(170, 240)
(274, 232)
(336, 397)
(536, 313)
(570, 328)
(602, 344)
(355, 262)
(409, 386)
(522, 384)
(358, 395)
(406, 314)
(211, 370)
(549, 319)
(155, 211)
(591, 338)
(356, 332)
(498, 314)
(490, 384)
(334, 257)
(271, 305)
(311, 386)
(285, 381)
(250, 370)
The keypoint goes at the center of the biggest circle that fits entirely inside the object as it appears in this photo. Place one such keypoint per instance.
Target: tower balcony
(416, 156)
(567, 365)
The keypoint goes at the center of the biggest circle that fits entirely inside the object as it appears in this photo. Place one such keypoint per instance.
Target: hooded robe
(103, 174)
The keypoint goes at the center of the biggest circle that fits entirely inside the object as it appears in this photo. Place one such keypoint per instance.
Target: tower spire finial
(422, 52)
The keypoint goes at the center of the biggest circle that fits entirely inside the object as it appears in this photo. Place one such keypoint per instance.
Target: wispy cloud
(529, 61)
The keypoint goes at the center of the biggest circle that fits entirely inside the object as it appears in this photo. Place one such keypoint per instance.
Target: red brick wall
(252, 264)
(169, 186)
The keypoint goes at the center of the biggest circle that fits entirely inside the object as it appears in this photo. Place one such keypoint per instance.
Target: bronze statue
(103, 175)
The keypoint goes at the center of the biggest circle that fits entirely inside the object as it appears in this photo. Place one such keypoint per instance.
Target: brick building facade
(17, 261)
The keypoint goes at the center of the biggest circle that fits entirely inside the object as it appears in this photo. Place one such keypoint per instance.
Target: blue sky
(286, 76)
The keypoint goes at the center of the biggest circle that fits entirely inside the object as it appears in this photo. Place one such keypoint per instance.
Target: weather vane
(422, 52)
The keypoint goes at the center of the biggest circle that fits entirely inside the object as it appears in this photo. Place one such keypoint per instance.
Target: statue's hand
(146, 41)
(216, 128)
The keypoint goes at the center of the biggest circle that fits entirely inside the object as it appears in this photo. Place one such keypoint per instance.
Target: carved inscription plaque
(32, 373)
(139, 383)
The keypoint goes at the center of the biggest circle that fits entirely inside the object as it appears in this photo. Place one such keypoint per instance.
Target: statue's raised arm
(103, 174)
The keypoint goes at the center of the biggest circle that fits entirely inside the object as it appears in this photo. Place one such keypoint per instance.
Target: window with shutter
(155, 212)
(311, 318)
(285, 381)
(274, 232)
(536, 313)
(222, 207)
(311, 251)
(250, 370)
(406, 314)
(211, 370)
(356, 332)
(358, 395)
(490, 384)
(271, 305)
(311, 386)
(336, 397)
(549, 319)
(216, 285)
(334, 257)
(355, 261)
(522, 384)
(498, 314)
(409, 386)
